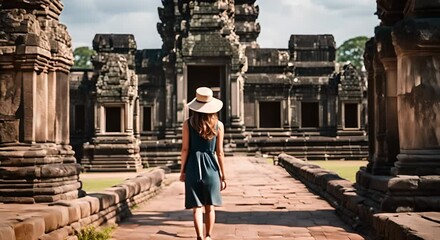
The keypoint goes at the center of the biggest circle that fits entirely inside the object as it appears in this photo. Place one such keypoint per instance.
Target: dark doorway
(270, 114)
(146, 123)
(351, 115)
(79, 118)
(309, 115)
(113, 119)
(206, 76)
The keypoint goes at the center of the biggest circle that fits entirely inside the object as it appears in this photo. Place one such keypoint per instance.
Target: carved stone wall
(36, 159)
(402, 59)
(116, 144)
(201, 33)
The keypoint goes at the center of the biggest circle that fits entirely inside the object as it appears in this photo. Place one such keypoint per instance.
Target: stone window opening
(113, 119)
(310, 115)
(269, 114)
(147, 118)
(351, 116)
(79, 116)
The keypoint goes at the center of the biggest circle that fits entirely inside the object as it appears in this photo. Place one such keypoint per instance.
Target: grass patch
(95, 185)
(345, 169)
(93, 233)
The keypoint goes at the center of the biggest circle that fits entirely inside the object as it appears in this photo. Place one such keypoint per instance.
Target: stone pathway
(262, 202)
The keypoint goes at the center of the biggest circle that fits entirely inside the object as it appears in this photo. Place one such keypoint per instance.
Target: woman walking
(202, 172)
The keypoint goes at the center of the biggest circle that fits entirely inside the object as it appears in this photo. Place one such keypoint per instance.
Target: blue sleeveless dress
(202, 179)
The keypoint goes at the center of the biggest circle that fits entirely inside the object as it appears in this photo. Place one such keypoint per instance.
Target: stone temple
(129, 111)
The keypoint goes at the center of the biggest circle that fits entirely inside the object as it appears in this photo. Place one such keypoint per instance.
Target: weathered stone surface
(36, 56)
(406, 226)
(61, 219)
(6, 232)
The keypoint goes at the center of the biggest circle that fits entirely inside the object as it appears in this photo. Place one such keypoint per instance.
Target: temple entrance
(309, 114)
(351, 115)
(113, 119)
(146, 119)
(270, 114)
(207, 76)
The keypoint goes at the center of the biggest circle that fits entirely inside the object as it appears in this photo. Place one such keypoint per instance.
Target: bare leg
(209, 219)
(198, 221)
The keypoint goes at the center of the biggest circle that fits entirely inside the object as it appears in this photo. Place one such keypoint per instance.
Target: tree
(352, 51)
(82, 57)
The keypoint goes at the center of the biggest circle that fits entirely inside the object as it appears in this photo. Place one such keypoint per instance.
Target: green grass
(93, 233)
(345, 169)
(95, 185)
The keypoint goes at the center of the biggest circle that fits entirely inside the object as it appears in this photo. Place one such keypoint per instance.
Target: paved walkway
(262, 202)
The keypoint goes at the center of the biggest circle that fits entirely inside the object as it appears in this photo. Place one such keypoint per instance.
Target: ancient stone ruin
(296, 99)
(115, 144)
(36, 159)
(404, 154)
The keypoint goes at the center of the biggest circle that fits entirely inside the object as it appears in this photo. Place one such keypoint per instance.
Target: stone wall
(357, 210)
(61, 220)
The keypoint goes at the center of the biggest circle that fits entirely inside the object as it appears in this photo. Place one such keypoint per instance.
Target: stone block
(93, 202)
(84, 207)
(106, 199)
(62, 214)
(58, 234)
(398, 204)
(403, 183)
(7, 232)
(123, 191)
(430, 184)
(427, 203)
(29, 229)
(9, 131)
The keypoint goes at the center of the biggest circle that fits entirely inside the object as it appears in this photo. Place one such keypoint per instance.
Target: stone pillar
(36, 160)
(380, 166)
(370, 51)
(387, 56)
(417, 42)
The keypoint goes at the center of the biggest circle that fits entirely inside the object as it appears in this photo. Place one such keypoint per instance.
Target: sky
(278, 19)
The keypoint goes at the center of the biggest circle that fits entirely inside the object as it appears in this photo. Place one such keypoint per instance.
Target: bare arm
(219, 150)
(185, 150)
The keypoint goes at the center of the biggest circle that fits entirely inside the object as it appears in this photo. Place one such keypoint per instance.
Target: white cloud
(278, 19)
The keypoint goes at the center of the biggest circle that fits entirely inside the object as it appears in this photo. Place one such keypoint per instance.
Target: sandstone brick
(403, 183)
(7, 232)
(106, 199)
(93, 202)
(29, 229)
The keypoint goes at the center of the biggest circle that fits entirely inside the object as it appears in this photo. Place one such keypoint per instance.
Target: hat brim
(212, 106)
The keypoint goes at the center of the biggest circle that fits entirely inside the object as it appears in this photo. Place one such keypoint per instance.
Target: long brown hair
(204, 124)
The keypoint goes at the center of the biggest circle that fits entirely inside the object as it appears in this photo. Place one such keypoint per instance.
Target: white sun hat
(204, 102)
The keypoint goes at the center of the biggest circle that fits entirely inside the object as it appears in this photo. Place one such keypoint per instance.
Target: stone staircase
(308, 146)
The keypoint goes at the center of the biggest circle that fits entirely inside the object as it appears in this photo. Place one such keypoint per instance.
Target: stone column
(36, 160)
(380, 166)
(417, 43)
(387, 56)
(370, 51)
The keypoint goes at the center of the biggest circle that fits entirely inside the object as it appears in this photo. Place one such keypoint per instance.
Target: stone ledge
(339, 192)
(407, 226)
(62, 219)
(357, 211)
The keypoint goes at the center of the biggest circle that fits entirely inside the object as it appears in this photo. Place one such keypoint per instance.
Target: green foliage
(93, 233)
(82, 57)
(352, 51)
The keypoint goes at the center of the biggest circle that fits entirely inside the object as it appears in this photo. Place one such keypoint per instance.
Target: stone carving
(35, 158)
